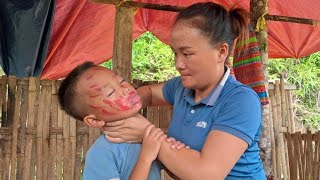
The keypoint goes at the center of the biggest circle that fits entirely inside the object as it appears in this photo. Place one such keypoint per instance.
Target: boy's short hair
(67, 91)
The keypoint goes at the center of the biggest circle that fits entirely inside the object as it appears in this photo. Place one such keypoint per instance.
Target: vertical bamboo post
(73, 150)
(47, 91)
(273, 143)
(60, 144)
(122, 47)
(22, 130)
(33, 94)
(14, 137)
(52, 173)
(66, 147)
(257, 9)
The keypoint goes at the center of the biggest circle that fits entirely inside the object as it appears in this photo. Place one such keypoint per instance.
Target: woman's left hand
(130, 130)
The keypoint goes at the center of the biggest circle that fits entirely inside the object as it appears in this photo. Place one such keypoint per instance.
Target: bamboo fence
(40, 141)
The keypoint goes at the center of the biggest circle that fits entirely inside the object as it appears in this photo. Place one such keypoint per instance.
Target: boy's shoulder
(103, 146)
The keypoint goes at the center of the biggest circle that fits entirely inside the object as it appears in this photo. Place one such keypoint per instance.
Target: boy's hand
(129, 130)
(176, 144)
(152, 140)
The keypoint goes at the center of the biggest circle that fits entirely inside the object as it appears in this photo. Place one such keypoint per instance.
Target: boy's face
(107, 95)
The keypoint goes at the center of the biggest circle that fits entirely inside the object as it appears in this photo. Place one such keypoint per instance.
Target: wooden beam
(293, 20)
(119, 3)
(122, 47)
(179, 8)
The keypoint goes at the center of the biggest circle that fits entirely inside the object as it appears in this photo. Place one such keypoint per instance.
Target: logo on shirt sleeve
(201, 124)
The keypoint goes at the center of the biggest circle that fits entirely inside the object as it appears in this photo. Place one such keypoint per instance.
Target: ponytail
(239, 22)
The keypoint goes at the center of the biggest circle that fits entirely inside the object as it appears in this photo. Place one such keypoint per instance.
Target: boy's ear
(92, 121)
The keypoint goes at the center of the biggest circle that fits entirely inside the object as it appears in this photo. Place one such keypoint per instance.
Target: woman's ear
(92, 121)
(223, 51)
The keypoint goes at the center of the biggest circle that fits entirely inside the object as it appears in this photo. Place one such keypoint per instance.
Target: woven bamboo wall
(39, 141)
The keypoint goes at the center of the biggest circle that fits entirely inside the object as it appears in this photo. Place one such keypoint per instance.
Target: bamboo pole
(272, 133)
(276, 152)
(122, 47)
(52, 173)
(14, 137)
(257, 9)
(23, 82)
(60, 155)
(29, 161)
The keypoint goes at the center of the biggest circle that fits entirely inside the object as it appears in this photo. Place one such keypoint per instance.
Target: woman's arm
(151, 95)
(220, 153)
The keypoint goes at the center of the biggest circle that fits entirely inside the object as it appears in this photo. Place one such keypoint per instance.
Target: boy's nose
(125, 91)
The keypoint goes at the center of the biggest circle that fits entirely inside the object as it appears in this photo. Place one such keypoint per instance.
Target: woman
(217, 116)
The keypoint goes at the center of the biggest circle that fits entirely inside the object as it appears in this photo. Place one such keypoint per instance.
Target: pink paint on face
(89, 77)
(94, 96)
(93, 86)
(106, 112)
(121, 102)
(110, 103)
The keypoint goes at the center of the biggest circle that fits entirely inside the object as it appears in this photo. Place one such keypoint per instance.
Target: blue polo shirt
(231, 107)
(106, 160)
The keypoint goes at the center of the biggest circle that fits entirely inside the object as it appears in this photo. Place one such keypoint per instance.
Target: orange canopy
(84, 31)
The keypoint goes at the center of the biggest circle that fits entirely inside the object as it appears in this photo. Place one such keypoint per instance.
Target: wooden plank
(79, 154)
(60, 156)
(66, 147)
(29, 160)
(47, 91)
(276, 134)
(141, 5)
(16, 91)
(271, 86)
(22, 130)
(52, 173)
(3, 97)
(40, 139)
(1, 157)
(73, 145)
(122, 47)
(7, 154)
(272, 136)
(11, 101)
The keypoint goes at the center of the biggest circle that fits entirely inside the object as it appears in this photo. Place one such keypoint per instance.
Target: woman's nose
(180, 65)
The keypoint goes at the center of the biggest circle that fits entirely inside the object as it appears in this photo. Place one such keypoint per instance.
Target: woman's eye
(122, 81)
(110, 93)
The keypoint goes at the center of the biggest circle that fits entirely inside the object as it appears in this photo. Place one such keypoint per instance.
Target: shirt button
(192, 111)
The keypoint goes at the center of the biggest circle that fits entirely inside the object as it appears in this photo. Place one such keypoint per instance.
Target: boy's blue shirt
(106, 160)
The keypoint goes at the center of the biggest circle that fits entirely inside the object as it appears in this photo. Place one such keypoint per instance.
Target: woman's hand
(152, 140)
(129, 130)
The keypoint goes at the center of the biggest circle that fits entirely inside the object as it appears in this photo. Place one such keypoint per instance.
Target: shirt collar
(214, 95)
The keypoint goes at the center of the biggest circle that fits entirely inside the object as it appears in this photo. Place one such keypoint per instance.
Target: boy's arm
(152, 140)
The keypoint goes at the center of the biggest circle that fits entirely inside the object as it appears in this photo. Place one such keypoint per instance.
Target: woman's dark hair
(67, 94)
(216, 23)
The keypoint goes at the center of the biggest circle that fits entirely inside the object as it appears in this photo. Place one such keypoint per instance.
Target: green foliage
(152, 59)
(305, 74)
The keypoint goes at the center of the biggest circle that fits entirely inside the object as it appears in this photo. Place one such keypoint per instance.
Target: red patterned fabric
(84, 31)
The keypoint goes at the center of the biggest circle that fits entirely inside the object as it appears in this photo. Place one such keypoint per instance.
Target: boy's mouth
(134, 98)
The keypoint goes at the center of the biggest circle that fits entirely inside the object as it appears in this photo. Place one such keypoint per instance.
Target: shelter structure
(66, 33)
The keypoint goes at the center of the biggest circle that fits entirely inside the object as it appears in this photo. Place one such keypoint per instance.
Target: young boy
(96, 95)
